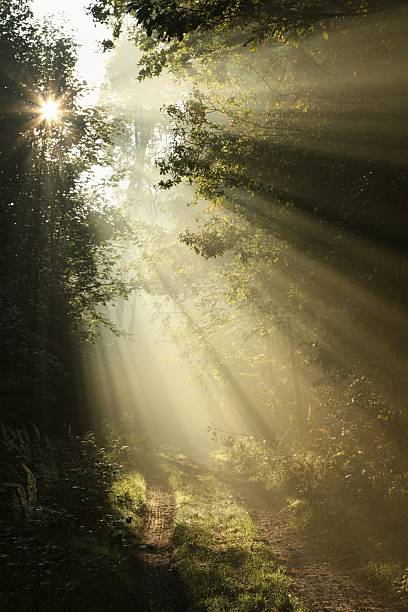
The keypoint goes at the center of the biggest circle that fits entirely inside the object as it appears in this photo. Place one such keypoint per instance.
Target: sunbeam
(204, 305)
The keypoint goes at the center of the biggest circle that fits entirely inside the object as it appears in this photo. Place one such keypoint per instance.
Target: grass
(128, 499)
(223, 564)
(359, 529)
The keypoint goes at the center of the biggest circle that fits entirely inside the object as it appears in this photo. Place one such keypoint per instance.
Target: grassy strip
(222, 562)
(128, 499)
(344, 516)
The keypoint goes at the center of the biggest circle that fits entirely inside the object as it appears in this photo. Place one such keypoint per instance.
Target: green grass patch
(221, 560)
(128, 499)
(383, 573)
(356, 521)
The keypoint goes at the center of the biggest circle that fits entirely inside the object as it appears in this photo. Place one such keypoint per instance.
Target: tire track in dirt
(322, 587)
(159, 585)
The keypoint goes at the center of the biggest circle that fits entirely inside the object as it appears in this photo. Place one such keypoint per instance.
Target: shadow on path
(158, 583)
(323, 587)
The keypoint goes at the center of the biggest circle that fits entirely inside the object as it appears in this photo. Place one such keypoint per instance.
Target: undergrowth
(68, 504)
(349, 507)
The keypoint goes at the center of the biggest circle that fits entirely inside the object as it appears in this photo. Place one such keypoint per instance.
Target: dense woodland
(276, 185)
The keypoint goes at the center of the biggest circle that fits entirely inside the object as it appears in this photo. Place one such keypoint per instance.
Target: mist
(204, 305)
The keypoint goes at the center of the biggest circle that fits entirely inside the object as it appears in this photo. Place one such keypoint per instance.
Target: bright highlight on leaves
(50, 110)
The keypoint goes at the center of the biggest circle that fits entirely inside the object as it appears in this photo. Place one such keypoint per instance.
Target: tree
(320, 206)
(58, 260)
(167, 24)
(297, 146)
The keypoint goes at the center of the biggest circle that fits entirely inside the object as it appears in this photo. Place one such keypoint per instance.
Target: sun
(50, 110)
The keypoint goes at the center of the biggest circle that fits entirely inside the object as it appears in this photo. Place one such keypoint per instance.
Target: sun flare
(50, 110)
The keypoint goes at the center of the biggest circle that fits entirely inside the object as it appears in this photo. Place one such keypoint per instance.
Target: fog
(191, 357)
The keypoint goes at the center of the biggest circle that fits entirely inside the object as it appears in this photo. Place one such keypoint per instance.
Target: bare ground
(323, 587)
(158, 581)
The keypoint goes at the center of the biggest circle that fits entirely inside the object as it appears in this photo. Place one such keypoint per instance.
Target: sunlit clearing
(50, 110)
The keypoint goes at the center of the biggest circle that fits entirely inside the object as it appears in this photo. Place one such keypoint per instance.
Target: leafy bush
(344, 495)
(63, 548)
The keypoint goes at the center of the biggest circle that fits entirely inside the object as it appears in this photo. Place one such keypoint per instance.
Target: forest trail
(159, 586)
(321, 586)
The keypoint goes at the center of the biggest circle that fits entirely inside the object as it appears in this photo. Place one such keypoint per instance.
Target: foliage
(129, 496)
(60, 243)
(298, 302)
(303, 230)
(163, 28)
(350, 502)
(64, 546)
(259, 153)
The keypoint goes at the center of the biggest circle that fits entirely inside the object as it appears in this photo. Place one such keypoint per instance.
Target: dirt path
(323, 587)
(158, 581)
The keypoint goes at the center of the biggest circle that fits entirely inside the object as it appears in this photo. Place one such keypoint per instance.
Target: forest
(204, 306)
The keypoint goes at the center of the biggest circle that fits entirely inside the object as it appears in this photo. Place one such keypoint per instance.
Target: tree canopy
(58, 259)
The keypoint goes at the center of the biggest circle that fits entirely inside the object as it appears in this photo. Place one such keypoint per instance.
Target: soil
(158, 583)
(321, 585)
